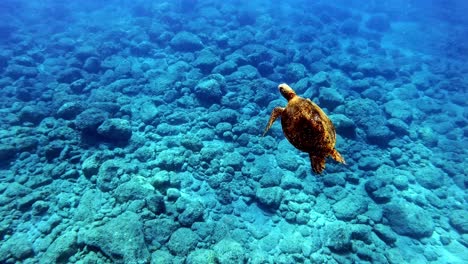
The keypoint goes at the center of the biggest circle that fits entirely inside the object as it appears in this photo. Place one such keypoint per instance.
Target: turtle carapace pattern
(307, 128)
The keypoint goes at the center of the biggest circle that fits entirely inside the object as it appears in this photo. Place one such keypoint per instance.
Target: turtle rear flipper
(317, 163)
(337, 156)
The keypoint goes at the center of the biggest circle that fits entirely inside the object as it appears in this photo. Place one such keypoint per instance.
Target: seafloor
(131, 133)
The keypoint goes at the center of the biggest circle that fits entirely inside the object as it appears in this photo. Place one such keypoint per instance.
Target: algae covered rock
(350, 207)
(459, 220)
(409, 219)
(378, 22)
(270, 197)
(210, 89)
(186, 41)
(115, 129)
(62, 248)
(108, 177)
(344, 125)
(202, 256)
(121, 239)
(182, 241)
(338, 237)
(90, 119)
(18, 247)
(229, 251)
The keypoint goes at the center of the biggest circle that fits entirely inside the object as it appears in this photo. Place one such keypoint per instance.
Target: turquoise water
(131, 132)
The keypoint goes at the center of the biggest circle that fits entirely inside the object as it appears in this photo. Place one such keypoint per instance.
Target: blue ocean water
(131, 131)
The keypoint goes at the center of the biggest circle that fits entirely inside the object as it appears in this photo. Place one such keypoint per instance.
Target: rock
(90, 166)
(350, 207)
(135, 189)
(18, 246)
(330, 98)
(159, 230)
(369, 163)
(89, 120)
(362, 232)
(121, 239)
(408, 219)
(271, 179)
(430, 177)
(90, 205)
(206, 61)
(459, 220)
(194, 144)
(287, 160)
(162, 256)
(148, 112)
(33, 114)
(170, 159)
(399, 109)
(108, 177)
(92, 65)
(269, 197)
(334, 179)
(463, 239)
(210, 89)
(172, 194)
(62, 248)
(320, 79)
(379, 134)
(385, 233)
(7, 152)
(16, 71)
(378, 22)
(226, 67)
(69, 75)
(245, 72)
(368, 116)
(400, 182)
(295, 72)
(155, 203)
(226, 115)
(193, 211)
(182, 241)
(290, 181)
(39, 207)
(229, 251)
(344, 126)
(70, 110)
(349, 27)
(233, 160)
(115, 129)
(378, 191)
(202, 256)
(291, 243)
(83, 52)
(222, 128)
(142, 49)
(186, 41)
(53, 149)
(338, 237)
(398, 127)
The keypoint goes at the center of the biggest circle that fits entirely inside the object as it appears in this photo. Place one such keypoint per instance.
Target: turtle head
(286, 91)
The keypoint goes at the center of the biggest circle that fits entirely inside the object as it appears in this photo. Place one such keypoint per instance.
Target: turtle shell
(307, 127)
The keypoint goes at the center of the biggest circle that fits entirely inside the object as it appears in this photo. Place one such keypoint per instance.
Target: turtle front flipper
(317, 163)
(274, 115)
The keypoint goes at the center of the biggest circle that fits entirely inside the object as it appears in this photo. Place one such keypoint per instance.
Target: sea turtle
(307, 128)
